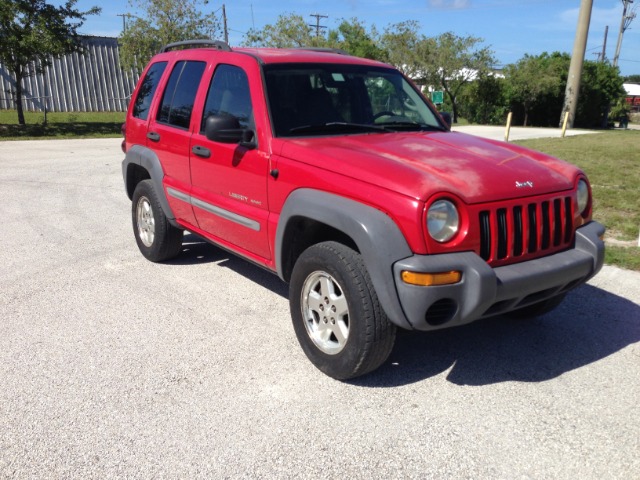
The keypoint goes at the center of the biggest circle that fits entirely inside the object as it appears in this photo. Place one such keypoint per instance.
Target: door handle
(153, 136)
(201, 151)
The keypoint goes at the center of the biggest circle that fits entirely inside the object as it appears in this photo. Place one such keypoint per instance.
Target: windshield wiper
(410, 126)
(340, 127)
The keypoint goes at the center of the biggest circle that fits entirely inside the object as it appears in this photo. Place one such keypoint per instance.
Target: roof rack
(339, 51)
(197, 43)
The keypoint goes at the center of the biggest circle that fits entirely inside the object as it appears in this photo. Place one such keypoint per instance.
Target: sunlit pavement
(517, 133)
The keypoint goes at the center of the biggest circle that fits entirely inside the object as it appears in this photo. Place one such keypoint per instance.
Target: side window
(147, 89)
(178, 97)
(229, 95)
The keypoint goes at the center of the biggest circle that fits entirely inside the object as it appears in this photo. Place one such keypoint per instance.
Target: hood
(419, 164)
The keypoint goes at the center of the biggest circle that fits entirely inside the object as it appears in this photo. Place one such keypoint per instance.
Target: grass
(60, 125)
(611, 160)
(624, 257)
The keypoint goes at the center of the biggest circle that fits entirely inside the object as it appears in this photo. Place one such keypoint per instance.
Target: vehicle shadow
(588, 326)
(195, 251)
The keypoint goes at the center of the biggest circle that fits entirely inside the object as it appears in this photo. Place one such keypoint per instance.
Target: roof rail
(339, 51)
(197, 43)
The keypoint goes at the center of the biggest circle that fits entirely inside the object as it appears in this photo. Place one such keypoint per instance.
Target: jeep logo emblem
(528, 183)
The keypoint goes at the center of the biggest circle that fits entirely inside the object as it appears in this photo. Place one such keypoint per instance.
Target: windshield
(331, 99)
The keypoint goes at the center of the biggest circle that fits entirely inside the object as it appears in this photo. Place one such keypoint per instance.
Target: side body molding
(376, 235)
(147, 159)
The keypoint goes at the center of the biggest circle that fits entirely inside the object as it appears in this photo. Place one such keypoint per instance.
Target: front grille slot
(518, 232)
(503, 239)
(568, 220)
(533, 229)
(485, 235)
(546, 227)
(557, 222)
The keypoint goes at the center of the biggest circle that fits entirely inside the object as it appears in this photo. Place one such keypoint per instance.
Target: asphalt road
(114, 367)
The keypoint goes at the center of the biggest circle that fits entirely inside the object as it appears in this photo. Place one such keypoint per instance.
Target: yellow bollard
(564, 124)
(506, 133)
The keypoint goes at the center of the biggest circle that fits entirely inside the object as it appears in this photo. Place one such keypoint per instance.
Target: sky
(511, 28)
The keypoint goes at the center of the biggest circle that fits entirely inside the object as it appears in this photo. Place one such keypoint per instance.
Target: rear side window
(178, 98)
(147, 89)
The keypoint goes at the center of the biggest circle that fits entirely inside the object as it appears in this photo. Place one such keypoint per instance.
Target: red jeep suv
(335, 173)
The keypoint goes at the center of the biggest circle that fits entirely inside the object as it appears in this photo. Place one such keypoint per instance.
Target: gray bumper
(486, 291)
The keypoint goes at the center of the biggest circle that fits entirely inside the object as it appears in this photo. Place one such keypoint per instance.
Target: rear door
(169, 133)
(141, 107)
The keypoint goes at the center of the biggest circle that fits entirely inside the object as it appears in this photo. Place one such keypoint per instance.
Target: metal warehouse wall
(88, 82)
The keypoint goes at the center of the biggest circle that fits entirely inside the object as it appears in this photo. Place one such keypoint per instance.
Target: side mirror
(446, 116)
(227, 129)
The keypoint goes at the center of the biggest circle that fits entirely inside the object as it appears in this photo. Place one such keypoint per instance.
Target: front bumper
(485, 291)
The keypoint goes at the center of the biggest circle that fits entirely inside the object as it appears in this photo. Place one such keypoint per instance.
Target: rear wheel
(157, 239)
(336, 314)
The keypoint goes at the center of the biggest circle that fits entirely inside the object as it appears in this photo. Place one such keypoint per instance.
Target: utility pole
(224, 23)
(628, 14)
(317, 25)
(124, 20)
(577, 61)
(603, 57)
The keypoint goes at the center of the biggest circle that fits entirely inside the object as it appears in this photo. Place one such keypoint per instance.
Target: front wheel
(336, 314)
(157, 239)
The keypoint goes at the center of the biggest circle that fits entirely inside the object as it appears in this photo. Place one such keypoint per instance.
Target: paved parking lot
(114, 367)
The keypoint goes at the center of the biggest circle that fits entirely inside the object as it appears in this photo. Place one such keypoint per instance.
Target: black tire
(157, 239)
(327, 279)
(537, 309)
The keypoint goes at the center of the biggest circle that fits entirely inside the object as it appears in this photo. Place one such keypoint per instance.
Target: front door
(229, 182)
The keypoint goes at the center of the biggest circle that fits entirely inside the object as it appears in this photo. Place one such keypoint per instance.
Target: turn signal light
(431, 279)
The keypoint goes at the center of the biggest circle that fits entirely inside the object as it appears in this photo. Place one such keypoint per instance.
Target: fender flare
(378, 238)
(147, 159)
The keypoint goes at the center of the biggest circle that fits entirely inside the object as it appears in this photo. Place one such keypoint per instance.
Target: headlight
(442, 220)
(583, 197)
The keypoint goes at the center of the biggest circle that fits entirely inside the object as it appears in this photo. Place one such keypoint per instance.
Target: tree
(450, 62)
(483, 101)
(289, 31)
(536, 87)
(619, 111)
(400, 41)
(33, 32)
(162, 22)
(533, 78)
(292, 31)
(632, 79)
(601, 86)
(352, 37)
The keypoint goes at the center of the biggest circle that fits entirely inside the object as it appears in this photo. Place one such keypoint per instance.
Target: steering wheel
(383, 113)
(410, 104)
